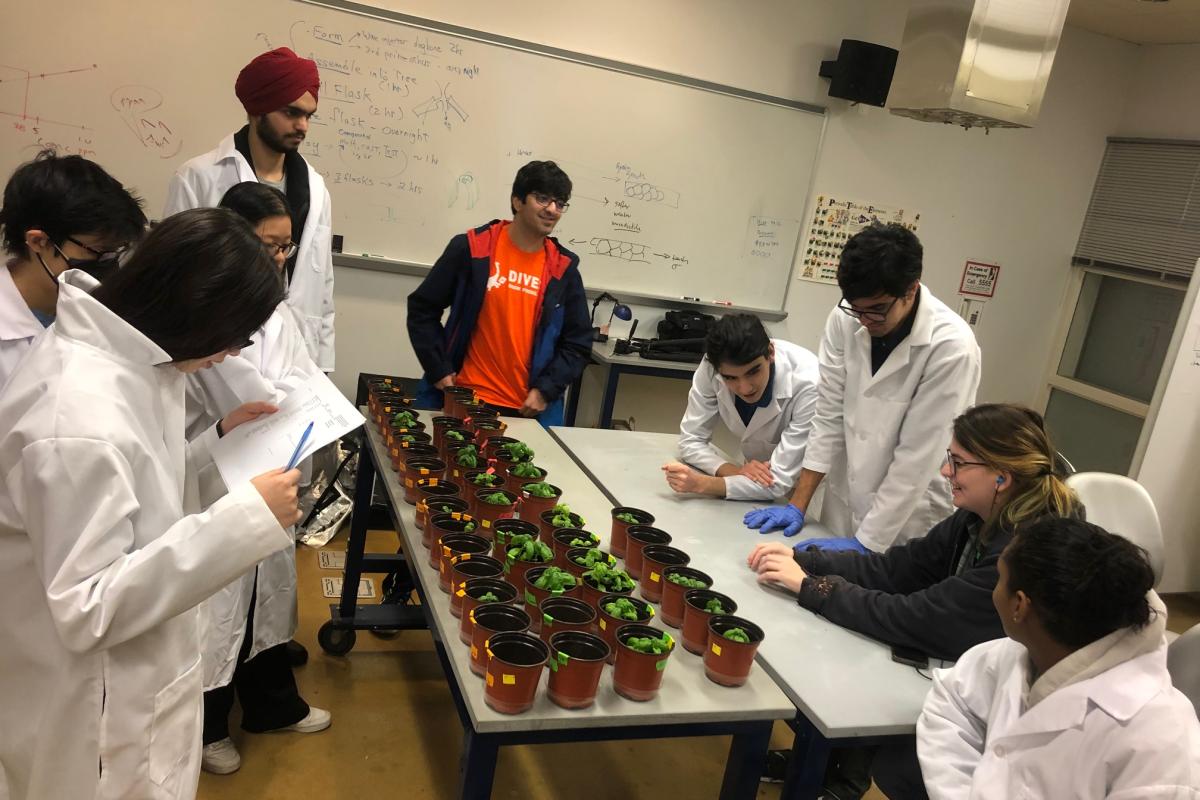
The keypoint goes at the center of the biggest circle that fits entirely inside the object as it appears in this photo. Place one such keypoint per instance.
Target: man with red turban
(279, 91)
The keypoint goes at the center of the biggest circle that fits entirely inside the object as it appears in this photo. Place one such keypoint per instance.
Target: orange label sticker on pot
(456, 515)
(474, 649)
(421, 507)
(716, 648)
(491, 681)
(408, 482)
(432, 482)
(460, 592)
(603, 625)
(509, 680)
(487, 523)
(422, 471)
(395, 452)
(654, 576)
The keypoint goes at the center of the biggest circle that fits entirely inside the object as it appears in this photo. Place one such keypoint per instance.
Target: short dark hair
(541, 176)
(1083, 581)
(254, 202)
(67, 196)
(736, 339)
(879, 259)
(199, 284)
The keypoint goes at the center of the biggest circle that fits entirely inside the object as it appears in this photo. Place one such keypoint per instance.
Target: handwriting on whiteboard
(138, 107)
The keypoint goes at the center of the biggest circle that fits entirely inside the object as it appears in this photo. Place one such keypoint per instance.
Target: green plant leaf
(649, 644)
(489, 597)
(628, 518)
(554, 579)
(467, 456)
(456, 435)
(525, 547)
(527, 469)
(737, 635)
(622, 609)
(497, 499)
(486, 479)
(713, 606)
(403, 419)
(516, 451)
(686, 582)
(539, 489)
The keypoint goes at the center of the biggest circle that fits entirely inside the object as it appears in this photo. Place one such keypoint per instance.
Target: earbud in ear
(999, 480)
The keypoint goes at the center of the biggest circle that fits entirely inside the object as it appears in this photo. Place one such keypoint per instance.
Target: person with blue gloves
(933, 593)
(897, 365)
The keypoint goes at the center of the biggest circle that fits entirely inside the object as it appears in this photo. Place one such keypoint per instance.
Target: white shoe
(220, 758)
(318, 719)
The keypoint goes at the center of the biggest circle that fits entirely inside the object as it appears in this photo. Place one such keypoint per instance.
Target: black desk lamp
(619, 310)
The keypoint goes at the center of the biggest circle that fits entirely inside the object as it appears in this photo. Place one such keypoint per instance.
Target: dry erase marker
(299, 448)
(723, 302)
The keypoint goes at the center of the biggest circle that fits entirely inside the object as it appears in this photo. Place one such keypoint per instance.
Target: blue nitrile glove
(833, 543)
(788, 517)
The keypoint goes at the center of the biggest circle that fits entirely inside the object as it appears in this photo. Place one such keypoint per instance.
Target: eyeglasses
(288, 249)
(545, 200)
(956, 464)
(102, 257)
(870, 316)
(243, 345)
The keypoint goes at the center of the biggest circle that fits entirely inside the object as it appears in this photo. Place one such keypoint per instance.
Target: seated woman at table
(933, 594)
(1077, 702)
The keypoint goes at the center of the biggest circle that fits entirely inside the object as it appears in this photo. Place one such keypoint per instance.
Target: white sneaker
(220, 758)
(318, 719)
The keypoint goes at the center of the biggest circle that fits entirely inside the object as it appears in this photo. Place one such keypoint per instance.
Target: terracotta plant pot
(547, 527)
(463, 569)
(566, 614)
(534, 595)
(379, 395)
(400, 453)
(577, 569)
(617, 540)
(452, 399)
(561, 541)
(591, 593)
(725, 661)
(655, 559)
(514, 482)
(447, 446)
(493, 445)
(487, 428)
(413, 434)
(532, 507)
(414, 470)
(490, 619)
(639, 537)
(470, 487)
(514, 669)
(505, 529)
(637, 676)
(490, 513)
(439, 426)
(457, 472)
(444, 525)
(474, 589)
(609, 624)
(695, 618)
(455, 545)
(514, 570)
(672, 598)
(389, 406)
(442, 493)
(576, 663)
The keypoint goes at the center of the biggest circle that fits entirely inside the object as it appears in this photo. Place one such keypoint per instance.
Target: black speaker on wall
(862, 73)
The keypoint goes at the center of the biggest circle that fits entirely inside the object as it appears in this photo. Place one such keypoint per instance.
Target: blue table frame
(618, 365)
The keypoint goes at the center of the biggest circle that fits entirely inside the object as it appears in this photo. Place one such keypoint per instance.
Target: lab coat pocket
(175, 731)
(310, 328)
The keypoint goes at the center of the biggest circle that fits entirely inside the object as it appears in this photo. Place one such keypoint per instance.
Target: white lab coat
(273, 366)
(18, 326)
(102, 565)
(1124, 733)
(203, 181)
(777, 433)
(881, 439)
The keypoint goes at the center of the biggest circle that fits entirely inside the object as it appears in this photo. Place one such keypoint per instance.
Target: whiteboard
(678, 191)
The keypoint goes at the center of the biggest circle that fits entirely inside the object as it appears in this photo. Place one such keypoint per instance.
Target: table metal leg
(359, 518)
(806, 768)
(477, 767)
(573, 400)
(743, 767)
(610, 397)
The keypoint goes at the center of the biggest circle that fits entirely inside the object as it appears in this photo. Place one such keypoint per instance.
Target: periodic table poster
(834, 221)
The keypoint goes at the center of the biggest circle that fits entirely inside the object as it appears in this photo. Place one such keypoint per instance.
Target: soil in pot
(463, 569)
(640, 536)
(538, 498)
(615, 612)
(490, 619)
(563, 539)
(417, 468)
(676, 581)
(566, 614)
(554, 519)
(576, 663)
(622, 518)
(477, 592)
(603, 579)
(544, 582)
(655, 559)
(698, 606)
(488, 508)
(514, 669)
(729, 654)
(458, 545)
(522, 554)
(504, 530)
(436, 489)
(444, 525)
(642, 654)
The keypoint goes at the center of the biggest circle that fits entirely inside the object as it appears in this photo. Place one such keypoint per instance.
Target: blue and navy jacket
(562, 339)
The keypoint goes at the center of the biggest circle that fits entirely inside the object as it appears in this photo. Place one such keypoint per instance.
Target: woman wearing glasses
(252, 619)
(59, 213)
(934, 593)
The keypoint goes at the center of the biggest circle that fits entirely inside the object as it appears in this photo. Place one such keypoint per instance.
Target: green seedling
(714, 606)
(470, 526)
(563, 518)
(404, 419)
(489, 597)
(540, 489)
(456, 435)
(649, 644)
(622, 609)
(627, 518)
(579, 541)
(488, 479)
(609, 578)
(737, 635)
(526, 469)
(555, 580)
(517, 451)
(467, 456)
(447, 509)
(525, 547)
(591, 559)
(686, 582)
(408, 437)
(497, 499)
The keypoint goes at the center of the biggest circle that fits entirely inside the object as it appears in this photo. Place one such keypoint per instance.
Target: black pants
(893, 766)
(265, 687)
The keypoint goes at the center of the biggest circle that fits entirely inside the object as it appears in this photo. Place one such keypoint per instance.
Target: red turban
(275, 79)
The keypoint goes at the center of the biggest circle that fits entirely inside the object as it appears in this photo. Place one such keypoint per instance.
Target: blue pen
(299, 448)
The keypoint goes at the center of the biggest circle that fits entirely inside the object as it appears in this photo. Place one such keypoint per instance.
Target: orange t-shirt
(497, 361)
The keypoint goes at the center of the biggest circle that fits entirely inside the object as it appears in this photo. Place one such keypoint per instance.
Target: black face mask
(100, 270)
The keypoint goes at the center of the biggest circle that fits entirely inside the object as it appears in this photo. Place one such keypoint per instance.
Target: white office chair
(1120, 505)
(1183, 662)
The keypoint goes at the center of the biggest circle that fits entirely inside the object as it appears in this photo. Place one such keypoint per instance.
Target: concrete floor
(395, 732)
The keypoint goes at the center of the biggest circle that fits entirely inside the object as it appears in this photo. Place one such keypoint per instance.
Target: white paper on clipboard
(267, 443)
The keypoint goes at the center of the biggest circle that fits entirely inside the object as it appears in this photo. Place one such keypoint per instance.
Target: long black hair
(200, 283)
(255, 202)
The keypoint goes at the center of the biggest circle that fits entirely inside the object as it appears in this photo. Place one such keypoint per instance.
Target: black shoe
(296, 653)
(775, 767)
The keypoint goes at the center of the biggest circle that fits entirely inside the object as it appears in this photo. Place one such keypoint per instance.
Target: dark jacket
(562, 339)
(910, 595)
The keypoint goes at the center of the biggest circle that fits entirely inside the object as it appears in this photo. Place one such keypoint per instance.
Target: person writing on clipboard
(897, 366)
(518, 331)
(765, 391)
